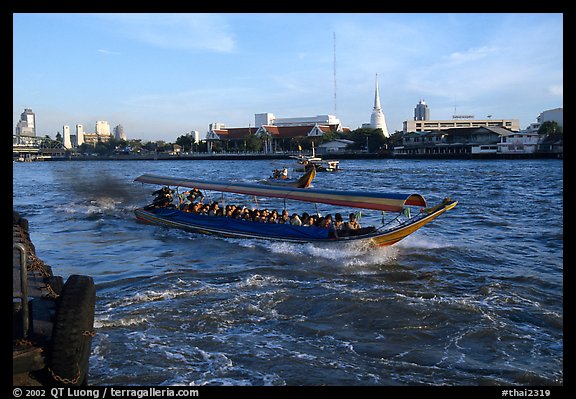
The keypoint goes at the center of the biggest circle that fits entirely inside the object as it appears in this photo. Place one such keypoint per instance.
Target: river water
(474, 298)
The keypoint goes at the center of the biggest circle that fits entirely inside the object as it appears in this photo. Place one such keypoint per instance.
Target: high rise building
(66, 141)
(26, 126)
(196, 136)
(377, 120)
(119, 133)
(102, 128)
(79, 135)
(421, 112)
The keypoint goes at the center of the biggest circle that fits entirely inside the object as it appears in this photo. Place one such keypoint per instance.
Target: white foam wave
(124, 322)
(421, 242)
(348, 254)
(92, 207)
(143, 297)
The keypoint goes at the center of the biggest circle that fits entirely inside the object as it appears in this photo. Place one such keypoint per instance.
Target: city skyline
(164, 75)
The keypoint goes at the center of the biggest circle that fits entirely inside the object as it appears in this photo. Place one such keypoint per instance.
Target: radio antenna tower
(335, 113)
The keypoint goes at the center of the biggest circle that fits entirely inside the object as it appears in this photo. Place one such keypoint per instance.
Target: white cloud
(176, 31)
(556, 90)
(107, 52)
(471, 55)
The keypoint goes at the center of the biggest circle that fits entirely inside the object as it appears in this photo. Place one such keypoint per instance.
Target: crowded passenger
(163, 199)
(352, 224)
(325, 222)
(213, 209)
(338, 221)
(295, 220)
(192, 202)
(195, 194)
(284, 218)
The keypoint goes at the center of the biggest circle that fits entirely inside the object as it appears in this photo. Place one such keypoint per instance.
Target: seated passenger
(305, 219)
(284, 218)
(195, 194)
(352, 224)
(183, 200)
(295, 220)
(273, 217)
(338, 221)
(196, 207)
(311, 221)
(213, 209)
(326, 222)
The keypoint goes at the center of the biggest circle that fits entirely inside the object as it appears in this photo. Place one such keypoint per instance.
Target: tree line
(364, 139)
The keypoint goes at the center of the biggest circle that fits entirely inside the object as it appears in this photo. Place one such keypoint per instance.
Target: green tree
(373, 140)
(253, 143)
(395, 139)
(186, 141)
(550, 127)
(550, 132)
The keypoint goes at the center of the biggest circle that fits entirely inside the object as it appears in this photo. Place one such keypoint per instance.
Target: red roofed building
(273, 137)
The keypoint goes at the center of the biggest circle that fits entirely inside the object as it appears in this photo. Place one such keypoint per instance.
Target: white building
(66, 140)
(196, 135)
(119, 133)
(551, 115)
(433, 125)
(518, 143)
(268, 119)
(335, 146)
(377, 119)
(102, 128)
(26, 126)
(79, 135)
(421, 112)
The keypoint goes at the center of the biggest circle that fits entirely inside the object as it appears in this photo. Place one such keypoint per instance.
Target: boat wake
(351, 254)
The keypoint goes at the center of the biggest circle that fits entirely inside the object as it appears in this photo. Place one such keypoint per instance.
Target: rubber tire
(71, 347)
(15, 217)
(56, 282)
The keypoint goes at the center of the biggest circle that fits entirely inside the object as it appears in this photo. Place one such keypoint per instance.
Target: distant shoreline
(251, 157)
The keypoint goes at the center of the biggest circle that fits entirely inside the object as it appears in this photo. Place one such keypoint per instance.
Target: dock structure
(52, 321)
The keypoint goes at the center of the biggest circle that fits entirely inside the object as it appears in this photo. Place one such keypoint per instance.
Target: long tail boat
(303, 181)
(386, 234)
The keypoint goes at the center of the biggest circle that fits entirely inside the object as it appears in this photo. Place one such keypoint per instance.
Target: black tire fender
(73, 331)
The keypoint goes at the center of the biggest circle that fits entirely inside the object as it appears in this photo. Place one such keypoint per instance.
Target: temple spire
(377, 106)
(377, 120)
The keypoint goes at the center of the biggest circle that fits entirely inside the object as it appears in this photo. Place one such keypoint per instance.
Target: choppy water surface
(475, 298)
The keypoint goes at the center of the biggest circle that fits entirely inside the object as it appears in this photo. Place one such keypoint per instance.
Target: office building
(79, 135)
(26, 126)
(66, 140)
(102, 128)
(421, 112)
(119, 133)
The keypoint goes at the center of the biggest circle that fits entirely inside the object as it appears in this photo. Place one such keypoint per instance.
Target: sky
(163, 75)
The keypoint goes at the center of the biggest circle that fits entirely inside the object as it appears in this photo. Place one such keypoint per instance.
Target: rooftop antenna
(335, 113)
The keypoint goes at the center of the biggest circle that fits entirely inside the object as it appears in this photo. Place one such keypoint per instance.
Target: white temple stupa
(377, 120)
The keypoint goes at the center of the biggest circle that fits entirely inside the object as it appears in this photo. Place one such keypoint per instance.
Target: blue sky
(163, 75)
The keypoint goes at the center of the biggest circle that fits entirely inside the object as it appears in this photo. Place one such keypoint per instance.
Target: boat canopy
(355, 199)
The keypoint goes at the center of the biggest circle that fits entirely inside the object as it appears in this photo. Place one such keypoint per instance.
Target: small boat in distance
(306, 161)
(303, 181)
(246, 227)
